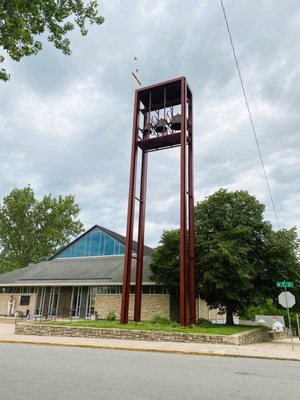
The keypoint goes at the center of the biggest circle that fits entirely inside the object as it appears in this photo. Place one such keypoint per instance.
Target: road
(30, 372)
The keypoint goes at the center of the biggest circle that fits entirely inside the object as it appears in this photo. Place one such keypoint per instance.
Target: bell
(176, 122)
(148, 126)
(161, 124)
(147, 130)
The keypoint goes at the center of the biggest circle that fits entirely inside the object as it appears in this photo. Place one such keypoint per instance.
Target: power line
(249, 112)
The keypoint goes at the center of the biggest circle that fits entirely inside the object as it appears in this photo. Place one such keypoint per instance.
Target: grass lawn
(216, 329)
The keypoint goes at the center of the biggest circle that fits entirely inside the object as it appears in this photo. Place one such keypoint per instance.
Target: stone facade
(152, 305)
(252, 336)
(279, 335)
(163, 305)
(5, 298)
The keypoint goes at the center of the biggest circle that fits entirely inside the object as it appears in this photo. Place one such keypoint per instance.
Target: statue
(10, 306)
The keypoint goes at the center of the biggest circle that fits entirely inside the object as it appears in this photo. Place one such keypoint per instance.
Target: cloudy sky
(66, 122)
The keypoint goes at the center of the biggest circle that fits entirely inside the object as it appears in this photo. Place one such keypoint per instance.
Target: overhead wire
(250, 114)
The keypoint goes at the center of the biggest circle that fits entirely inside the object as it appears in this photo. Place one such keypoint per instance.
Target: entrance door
(53, 301)
(76, 302)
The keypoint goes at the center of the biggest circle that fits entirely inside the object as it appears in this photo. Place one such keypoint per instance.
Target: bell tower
(163, 119)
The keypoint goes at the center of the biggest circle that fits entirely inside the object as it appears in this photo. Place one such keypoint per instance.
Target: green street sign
(284, 284)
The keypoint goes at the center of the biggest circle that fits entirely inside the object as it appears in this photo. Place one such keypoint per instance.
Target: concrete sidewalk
(280, 349)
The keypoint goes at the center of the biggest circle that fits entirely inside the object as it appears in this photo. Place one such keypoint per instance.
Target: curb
(192, 353)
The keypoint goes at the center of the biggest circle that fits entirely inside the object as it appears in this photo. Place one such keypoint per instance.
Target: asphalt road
(29, 372)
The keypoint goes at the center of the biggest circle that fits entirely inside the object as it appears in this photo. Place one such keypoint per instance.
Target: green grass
(215, 329)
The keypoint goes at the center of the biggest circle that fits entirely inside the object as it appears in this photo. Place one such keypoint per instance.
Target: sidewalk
(280, 349)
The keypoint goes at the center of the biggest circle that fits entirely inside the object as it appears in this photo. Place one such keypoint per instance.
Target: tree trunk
(229, 315)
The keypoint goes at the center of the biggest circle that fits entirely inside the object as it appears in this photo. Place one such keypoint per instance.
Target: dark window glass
(25, 300)
(132, 289)
(145, 289)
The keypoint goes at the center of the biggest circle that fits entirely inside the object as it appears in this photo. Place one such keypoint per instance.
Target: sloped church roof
(94, 258)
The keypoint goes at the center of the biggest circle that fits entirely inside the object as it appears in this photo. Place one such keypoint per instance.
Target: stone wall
(258, 335)
(278, 335)
(152, 305)
(253, 336)
(5, 298)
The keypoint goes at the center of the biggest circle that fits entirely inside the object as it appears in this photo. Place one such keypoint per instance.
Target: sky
(66, 121)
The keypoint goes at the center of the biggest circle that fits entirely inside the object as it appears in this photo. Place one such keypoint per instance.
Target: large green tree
(22, 21)
(165, 260)
(239, 256)
(32, 230)
(280, 263)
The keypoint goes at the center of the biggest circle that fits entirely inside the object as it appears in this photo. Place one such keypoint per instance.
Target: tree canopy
(239, 257)
(32, 230)
(21, 21)
(165, 260)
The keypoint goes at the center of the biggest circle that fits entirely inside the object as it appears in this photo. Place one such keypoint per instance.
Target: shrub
(111, 316)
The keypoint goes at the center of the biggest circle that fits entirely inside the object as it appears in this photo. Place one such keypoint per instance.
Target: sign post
(287, 299)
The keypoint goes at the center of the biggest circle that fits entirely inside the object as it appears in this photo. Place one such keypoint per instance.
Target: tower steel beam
(130, 216)
(141, 235)
(191, 228)
(183, 247)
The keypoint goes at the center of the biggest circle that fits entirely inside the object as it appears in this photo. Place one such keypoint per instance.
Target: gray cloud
(66, 122)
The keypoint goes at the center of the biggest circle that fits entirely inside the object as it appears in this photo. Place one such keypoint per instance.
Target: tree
(32, 230)
(231, 241)
(281, 264)
(167, 255)
(22, 20)
(238, 256)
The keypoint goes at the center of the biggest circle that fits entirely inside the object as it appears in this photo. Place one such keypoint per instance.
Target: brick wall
(253, 336)
(5, 298)
(152, 304)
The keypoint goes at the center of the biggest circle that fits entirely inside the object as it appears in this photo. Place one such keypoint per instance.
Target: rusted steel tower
(163, 119)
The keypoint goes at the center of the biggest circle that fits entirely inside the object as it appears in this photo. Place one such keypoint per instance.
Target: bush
(204, 323)
(111, 316)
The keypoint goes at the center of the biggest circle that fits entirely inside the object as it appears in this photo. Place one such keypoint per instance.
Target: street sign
(286, 299)
(284, 284)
